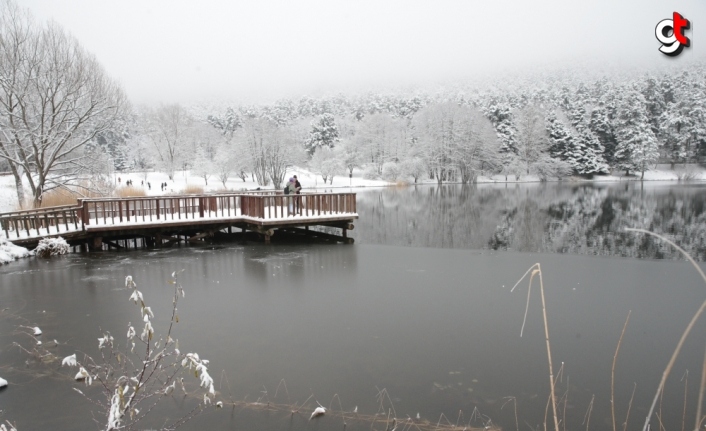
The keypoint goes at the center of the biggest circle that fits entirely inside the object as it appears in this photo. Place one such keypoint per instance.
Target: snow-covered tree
(579, 148)
(169, 129)
(590, 154)
(477, 147)
(282, 151)
(683, 122)
(601, 125)
(414, 167)
(224, 164)
(227, 123)
(54, 99)
(381, 138)
(637, 145)
(391, 171)
(326, 164)
(202, 166)
(252, 139)
(434, 126)
(351, 155)
(561, 140)
(531, 139)
(324, 133)
(499, 113)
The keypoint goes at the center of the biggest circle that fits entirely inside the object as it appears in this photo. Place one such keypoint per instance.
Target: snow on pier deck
(93, 221)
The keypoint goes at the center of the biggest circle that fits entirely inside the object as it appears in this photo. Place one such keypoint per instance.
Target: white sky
(187, 51)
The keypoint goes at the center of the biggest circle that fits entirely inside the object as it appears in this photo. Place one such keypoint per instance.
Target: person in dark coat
(298, 191)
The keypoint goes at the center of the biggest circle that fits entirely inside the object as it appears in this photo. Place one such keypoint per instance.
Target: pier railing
(169, 210)
(41, 221)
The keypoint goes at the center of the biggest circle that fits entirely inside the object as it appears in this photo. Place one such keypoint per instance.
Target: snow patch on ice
(10, 251)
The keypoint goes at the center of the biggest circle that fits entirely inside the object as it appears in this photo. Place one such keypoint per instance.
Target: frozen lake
(419, 306)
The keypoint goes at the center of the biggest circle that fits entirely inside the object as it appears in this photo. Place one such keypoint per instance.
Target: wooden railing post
(84, 213)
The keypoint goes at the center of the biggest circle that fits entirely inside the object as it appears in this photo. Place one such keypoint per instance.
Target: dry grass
(535, 270)
(59, 197)
(125, 192)
(192, 189)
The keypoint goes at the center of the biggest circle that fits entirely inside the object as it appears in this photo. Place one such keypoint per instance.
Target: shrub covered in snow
(370, 172)
(10, 251)
(134, 377)
(391, 171)
(51, 247)
(9, 427)
(414, 168)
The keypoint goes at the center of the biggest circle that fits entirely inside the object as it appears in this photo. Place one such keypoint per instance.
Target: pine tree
(500, 115)
(683, 122)
(602, 128)
(324, 133)
(560, 138)
(591, 154)
(654, 103)
(637, 145)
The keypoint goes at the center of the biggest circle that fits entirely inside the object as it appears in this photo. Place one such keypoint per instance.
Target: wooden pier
(160, 220)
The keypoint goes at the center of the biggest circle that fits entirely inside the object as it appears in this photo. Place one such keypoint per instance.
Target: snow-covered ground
(309, 181)
(10, 251)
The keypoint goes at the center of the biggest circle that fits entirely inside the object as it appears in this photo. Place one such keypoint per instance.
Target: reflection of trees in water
(585, 219)
(427, 216)
(592, 220)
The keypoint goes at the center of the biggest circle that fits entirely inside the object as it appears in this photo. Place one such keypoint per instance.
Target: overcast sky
(188, 51)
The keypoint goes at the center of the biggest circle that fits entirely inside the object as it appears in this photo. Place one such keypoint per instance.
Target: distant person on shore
(118, 180)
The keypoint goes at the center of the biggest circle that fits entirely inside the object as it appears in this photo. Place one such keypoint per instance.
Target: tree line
(65, 124)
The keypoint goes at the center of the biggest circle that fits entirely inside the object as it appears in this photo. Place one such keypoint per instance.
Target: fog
(186, 51)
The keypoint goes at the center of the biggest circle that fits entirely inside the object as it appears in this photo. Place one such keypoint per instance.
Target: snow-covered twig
(134, 382)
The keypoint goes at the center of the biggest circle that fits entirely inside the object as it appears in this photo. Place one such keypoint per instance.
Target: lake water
(419, 307)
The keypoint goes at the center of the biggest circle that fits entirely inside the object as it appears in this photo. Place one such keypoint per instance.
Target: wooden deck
(156, 219)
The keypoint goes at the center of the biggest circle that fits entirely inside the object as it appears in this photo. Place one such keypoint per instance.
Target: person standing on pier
(298, 191)
(291, 189)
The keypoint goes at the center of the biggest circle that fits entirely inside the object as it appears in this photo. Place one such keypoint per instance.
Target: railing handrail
(39, 210)
(207, 195)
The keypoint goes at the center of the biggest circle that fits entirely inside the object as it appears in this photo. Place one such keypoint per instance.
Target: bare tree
(169, 131)
(350, 154)
(476, 146)
(454, 139)
(207, 141)
(434, 139)
(54, 99)
(325, 163)
(283, 150)
(532, 140)
(252, 138)
(382, 139)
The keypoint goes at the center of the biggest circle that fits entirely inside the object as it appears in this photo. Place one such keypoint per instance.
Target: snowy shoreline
(10, 252)
(310, 181)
